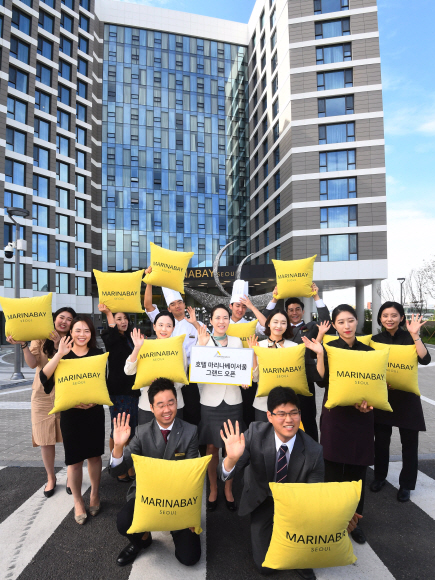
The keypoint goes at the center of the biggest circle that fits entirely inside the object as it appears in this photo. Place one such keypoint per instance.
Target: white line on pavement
(27, 529)
(368, 565)
(12, 392)
(149, 562)
(430, 401)
(421, 367)
(15, 405)
(423, 495)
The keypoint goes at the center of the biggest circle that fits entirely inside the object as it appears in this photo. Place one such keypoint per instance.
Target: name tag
(180, 454)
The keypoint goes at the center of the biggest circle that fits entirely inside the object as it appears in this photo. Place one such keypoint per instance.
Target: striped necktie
(282, 466)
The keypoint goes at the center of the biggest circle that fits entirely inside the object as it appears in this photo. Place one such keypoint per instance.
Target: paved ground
(39, 538)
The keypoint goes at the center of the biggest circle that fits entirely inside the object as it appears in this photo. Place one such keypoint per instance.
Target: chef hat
(240, 289)
(171, 295)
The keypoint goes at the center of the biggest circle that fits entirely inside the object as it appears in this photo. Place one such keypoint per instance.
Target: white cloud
(428, 127)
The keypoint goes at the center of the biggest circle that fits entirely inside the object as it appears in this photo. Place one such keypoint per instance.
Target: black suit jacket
(258, 463)
(149, 442)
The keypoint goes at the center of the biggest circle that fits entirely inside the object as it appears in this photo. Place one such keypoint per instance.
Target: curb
(24, 383)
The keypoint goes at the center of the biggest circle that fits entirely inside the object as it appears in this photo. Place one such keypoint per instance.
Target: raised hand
(234, 441)
(313, 345)
(315, 289)
(353, 522)
(55, 337)
(415, 324)
(121, 430)
(364, 407)
(323, 327)
(10, 340)
(252, 341)
(247, 302)
(149, 270)
(203, 336)
(192, 315)
(65, 345)
(137, 337)
(103, 308)
(275, 294)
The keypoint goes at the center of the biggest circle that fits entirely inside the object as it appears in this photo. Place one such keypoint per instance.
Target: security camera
(9, 250)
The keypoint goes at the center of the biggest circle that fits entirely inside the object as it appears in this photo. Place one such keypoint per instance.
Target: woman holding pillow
(218, 404)
(83, 426)
(346, 433)
(407, 412)
(164, 324)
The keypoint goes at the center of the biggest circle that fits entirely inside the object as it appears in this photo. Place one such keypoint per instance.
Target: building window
(62, 171)
(80, 286)
(255, 119)
(256, 181)
(21, 21)
(335, 80)
(65, 70)
(84, 44)
(85, 4)
(337, 188)
(338, 217)
(18, 80)
(80, 259)
(62, 283)
(256, 139)
(40, 215)
(276, 156)
(9, 233)
(264, 104)
(67, 23)
(63, 120)
(266, 215)
(273, 19)
(62, 145)
(254, 79)
(64, 95)
(80, 207)
(332, 28)
(9, 275)
(19, 50)
(45, 48)
(80, 159)
(262, 21)
(42, 101)
(265, 125)
(256, 202)
(254, 40)
(275, 84)
(62, 224)
(273, 40)
(43, 74)
(266, 237)
(278, 252)
(82, 67)
(40, 186)
(49, 3)
(263, 83)
(276, 132)
(62, 254)
(40, 247)
(39, 280)
(80, 232)
(257, 222)
(80, 183)
(41, 157)
(257, 244)
(17, 110)
(339, 248)
(263, 62)
(337, 53)
(65, 46)
(15, 172)
(68, 4)
(266, 192)
(15, 141)
(13, 199)
(62, 198)
(46, 21)
(277, 230)
(325, 6)
(81, 112)
(84, 23)
(263, 43)
(277, 204)
(337, 160)
(82, 89)
(265, 147)
(335, 106)
(80, 135)
(339, 133)
(265, 170)
(256, 160)
(275, 108)
(277, 178)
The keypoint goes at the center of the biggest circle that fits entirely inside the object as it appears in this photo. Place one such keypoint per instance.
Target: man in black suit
(274, 451)
(165, 437)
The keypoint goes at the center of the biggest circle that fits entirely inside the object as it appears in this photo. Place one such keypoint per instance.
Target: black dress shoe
(212, 505)
(377, 485)
(306, 574)
(403, 495)
(358, 535)
(231, 505)
(129, 553)
(125, 479)
(50, 492)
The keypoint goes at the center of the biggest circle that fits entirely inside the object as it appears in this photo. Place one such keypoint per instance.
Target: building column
(359, 303)
(376, 304)
(309, 307)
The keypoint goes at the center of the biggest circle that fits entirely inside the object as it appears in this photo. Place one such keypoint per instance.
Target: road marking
(424, 494)
(15, 405)
(430, 401)
(149, 562)
(29, 527)
(368, 565)
(12, 392)
(421, 367)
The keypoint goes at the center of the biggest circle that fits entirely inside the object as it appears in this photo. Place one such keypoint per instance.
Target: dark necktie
(165, 433)
(282, 467)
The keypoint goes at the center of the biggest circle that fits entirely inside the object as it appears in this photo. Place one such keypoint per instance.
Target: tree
(387, 293)
(414, 290)
(428, 271)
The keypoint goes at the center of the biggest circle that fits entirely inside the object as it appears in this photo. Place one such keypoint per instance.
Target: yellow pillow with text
(294, 277)
(282, 367)
(242, 330)
(356, 376)
(365, 339)
(168, 494)
(169, 268)
(28, 318)
(162, 357)
(80, 381)
(119, 291)
(310, 525)
(402, 369)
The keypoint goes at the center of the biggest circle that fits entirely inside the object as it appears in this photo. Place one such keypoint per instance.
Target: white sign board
(222, 366)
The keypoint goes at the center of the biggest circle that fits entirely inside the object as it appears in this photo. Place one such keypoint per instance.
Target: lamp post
(18, 212)
(401, 280)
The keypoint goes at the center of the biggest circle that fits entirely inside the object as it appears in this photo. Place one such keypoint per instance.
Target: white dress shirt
(319, 304)
(115, 461)
(290, 444)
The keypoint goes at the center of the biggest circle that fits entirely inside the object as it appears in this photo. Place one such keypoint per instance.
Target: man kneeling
(165, 437)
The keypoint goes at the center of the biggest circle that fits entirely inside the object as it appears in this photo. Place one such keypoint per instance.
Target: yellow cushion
(80, 381)
(356, 376)
(402, 369)
(294, 277)
(364, 339)
(118, 291)
(242, 330)
(168, 494)
(28, 318)
(161, 358)
(169, 268)
(282, 367)
(310, 525)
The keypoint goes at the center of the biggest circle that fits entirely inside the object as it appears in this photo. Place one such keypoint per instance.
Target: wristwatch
(26, 344)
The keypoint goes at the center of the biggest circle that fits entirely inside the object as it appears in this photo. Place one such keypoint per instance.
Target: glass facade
(174, 147)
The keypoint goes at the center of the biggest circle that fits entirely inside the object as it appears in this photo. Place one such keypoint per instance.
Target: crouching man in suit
(165, 437)
(274, 451)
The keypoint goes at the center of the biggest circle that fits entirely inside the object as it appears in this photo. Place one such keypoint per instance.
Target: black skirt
(212, 420)
(83, 433)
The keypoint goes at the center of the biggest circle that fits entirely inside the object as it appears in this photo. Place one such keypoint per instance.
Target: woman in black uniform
(407, 412)
(346, 433)
(83, 426)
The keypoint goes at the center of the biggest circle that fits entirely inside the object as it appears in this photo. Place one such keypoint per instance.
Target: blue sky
(408, 77)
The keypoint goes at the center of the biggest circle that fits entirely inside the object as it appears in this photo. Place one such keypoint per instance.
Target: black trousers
(192, 406)
(308, 413)
(261, 533)
(248, 396)
(187, 544)
(345, 472)
(409, 440)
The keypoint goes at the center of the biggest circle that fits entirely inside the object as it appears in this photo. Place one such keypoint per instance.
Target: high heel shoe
(50, 492)
(94, 509)
(81, 518)
(212, 505)
(231, 505)
(68, 489)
